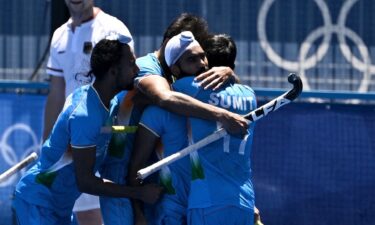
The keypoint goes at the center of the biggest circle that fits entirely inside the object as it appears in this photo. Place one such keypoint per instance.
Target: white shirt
(70, 51)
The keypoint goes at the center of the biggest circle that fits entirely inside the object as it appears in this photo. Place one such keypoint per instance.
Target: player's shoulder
(59, 35)
(187, 85)
(147, 60)
(157, 119)
(243, 88)
(110, 22)
(103, 16)
(154, 110)
(83, 99)
(149, 65)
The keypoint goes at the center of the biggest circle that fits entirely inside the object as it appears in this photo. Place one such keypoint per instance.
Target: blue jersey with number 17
(221, 171)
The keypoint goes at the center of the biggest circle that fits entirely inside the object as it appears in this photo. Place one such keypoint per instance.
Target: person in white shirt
(68, 65)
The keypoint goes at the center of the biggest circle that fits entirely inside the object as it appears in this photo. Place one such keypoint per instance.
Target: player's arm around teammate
(215, 163)
(155, 77)
(171, 129)
(158, 90)
(76, 147)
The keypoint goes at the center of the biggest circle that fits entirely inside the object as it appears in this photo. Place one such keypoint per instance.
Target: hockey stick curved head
(297, 87)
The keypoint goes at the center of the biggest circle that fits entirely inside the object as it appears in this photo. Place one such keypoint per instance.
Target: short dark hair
(220, 50)
(187, 22)
(105, 54)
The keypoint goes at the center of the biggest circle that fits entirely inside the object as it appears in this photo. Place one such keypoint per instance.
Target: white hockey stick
(252, 116)
(19, 166)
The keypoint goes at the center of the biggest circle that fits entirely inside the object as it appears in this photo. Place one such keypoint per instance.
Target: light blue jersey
(120, 146)
(148, 65)
(222, 174)
(175, 178)
(118, 211)
(51, 183)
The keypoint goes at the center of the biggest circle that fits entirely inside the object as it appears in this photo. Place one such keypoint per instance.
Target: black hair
(187, 22)
(105, 54)
(220, 50)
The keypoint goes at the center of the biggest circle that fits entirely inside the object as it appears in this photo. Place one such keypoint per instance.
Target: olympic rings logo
(9, 155)
(326, 31)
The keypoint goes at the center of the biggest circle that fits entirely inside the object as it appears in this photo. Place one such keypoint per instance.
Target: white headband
(177, 45)
(114, 36)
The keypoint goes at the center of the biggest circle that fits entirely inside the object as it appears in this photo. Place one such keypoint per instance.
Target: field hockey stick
(252, 116)
(19, 166)
(280, 101)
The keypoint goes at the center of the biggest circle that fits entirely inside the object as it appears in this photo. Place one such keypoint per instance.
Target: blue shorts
(30, 214)
(220, 215)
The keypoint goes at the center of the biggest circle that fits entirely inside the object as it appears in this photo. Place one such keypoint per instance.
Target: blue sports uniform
(118, 211)
(221, 190)
(171, 128)
(48, 190)
(148, 65)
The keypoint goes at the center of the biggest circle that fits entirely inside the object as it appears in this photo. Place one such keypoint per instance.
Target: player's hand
(257, 220)
(215, 77)
(234, 123)
(150, 193)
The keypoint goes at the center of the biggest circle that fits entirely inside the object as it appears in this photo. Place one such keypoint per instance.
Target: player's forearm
(102, 187)
(51, 112)
(159, 92)
(157, 89)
